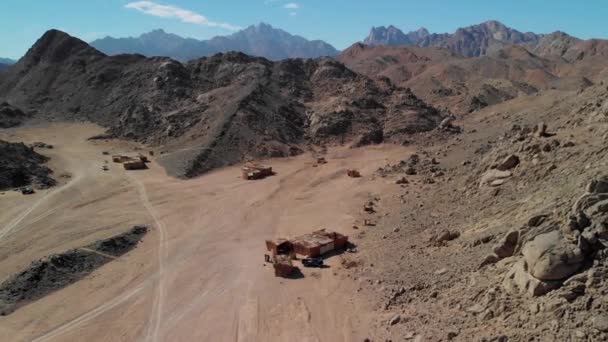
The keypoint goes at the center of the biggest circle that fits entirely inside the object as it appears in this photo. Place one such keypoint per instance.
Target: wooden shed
(279, 246)
(318, 243)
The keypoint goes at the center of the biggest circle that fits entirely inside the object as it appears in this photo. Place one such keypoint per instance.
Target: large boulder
(598, 186)
(551, 257)
(518, 280)
(506, 246)
(508, 163)
(494, 175)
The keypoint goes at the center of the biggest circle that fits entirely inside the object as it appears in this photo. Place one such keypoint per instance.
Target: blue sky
(339, 22)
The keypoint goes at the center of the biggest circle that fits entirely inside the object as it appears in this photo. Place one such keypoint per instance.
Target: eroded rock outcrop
(552, 254)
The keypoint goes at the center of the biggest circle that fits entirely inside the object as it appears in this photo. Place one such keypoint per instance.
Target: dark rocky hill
(20, 166)
(213, 111)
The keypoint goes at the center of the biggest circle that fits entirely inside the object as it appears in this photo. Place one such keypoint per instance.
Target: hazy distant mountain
(154, 43)
(5, 63)
(259, 40)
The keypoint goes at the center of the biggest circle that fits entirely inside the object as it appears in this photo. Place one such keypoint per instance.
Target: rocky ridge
(221, 110)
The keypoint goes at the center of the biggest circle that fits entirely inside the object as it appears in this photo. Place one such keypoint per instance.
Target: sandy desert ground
(199, 275)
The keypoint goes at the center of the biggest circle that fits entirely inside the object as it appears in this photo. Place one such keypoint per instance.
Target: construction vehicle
(256, 171)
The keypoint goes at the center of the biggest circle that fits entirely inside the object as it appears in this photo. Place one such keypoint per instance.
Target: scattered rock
(541, 130)
(601, 322)
(536, 221)
(402, 180)
(534, 308)
(493, 175)
(489, 260)
(506, 246)
(410, 171)
(518, 280)
(395, 319)
(441, 271)
(508, 163)
(441, 238)
(598, 186)
(476, 309)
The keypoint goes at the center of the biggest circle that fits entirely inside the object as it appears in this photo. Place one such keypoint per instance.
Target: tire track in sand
(153, 329)
(152, 333)
(49, 193)
(64, 328)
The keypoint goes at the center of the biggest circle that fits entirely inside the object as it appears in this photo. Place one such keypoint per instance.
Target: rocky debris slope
(509, 244)
(213, 111)
(20, 165)
(11, 116)
(57, 271)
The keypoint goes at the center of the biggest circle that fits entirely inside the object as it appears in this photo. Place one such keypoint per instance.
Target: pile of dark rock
(11, 116)
(428, 168)
(56, 271)
(21, 166)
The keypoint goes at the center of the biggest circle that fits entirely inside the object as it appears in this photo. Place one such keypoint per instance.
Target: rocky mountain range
(480, 65)
(481, 39)
(260, 40)
(230, 107)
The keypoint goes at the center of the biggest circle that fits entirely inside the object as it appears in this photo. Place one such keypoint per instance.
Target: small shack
(256, 171)
(282, 256)
(279, 246)
(318, 243)
(283, 266)
(134, 165)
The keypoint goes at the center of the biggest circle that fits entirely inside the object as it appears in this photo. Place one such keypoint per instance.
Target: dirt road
(199, 275)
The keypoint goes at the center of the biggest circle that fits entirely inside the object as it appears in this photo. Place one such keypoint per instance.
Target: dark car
(27, 190)
(312, 262)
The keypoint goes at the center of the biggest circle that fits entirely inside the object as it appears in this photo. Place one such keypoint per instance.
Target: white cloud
(173, 12)
(291, 5)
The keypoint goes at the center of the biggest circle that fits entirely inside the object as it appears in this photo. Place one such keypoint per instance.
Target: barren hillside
(448, 80)
(213, 111)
